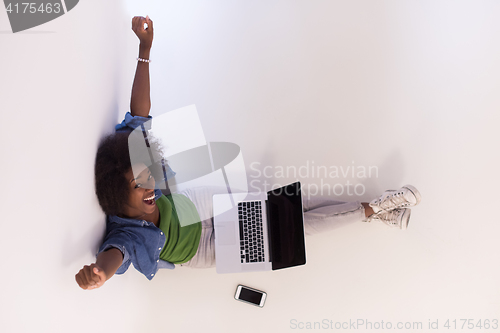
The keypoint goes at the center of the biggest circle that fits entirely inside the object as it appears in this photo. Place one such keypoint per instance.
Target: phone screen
(250, 296)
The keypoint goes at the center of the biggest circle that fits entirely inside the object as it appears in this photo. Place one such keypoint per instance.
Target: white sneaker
(406, 196)
(395, 218)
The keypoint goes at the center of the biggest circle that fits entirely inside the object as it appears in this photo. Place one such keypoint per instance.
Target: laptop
(259, 231)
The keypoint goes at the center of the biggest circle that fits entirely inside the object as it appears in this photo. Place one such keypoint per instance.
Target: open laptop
(259, 231)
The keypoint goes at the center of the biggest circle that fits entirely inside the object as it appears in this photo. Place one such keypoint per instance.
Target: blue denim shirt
(139, 241)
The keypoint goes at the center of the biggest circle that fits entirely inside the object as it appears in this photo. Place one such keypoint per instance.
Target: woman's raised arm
(140, 102)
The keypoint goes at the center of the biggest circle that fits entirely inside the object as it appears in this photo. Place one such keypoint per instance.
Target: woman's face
(141, 189)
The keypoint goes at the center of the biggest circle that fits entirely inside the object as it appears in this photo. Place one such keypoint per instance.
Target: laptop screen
(286, 226)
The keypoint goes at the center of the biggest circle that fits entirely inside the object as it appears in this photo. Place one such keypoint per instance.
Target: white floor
(408, 88)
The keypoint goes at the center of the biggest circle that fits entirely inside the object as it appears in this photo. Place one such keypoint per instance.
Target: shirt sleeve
(122, 242)
(131, 122)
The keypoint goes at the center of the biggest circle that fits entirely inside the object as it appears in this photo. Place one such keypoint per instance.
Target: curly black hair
(113, 162)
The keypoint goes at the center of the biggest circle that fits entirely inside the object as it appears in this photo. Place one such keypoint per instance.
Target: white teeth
(151, 198)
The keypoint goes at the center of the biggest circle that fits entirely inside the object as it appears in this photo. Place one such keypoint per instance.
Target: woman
(139, 219)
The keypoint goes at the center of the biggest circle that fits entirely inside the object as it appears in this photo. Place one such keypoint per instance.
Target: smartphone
(250, 295)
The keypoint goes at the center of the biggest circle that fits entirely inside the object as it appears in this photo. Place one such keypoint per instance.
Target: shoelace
(393, 200)
(389, 218)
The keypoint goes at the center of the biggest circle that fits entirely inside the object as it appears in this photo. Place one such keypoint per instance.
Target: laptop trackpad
(226, 234)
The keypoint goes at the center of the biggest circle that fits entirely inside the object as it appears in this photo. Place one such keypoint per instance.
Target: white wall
(410, 87)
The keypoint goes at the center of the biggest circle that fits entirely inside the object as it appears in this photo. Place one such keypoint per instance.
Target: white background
(411, 87)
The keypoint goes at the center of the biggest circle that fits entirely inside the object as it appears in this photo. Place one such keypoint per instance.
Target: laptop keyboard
(251, 235)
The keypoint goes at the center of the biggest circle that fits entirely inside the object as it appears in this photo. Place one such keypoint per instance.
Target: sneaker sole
(405, 219)
(415, 192)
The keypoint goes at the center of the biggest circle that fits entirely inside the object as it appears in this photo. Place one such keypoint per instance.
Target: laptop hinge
(269, 236)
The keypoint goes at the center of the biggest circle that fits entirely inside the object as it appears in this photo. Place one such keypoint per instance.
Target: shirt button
(161, 233)
(159, 248)
(152, 275)
(158, 260)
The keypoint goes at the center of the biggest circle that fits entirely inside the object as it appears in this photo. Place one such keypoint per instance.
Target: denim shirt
(139, 241)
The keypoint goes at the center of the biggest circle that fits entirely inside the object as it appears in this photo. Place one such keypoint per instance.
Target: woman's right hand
(90, 277)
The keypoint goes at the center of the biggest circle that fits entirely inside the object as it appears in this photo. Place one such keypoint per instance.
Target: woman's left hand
(145, 35)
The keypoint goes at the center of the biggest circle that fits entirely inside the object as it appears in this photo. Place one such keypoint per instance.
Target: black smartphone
(250, 295)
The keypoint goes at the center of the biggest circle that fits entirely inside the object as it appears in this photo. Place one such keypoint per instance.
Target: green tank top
(180, 222)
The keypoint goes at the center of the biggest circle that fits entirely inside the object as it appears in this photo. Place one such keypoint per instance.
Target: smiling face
(141, 203)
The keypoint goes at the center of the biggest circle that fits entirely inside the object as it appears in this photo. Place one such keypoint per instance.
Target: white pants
(320, 214)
